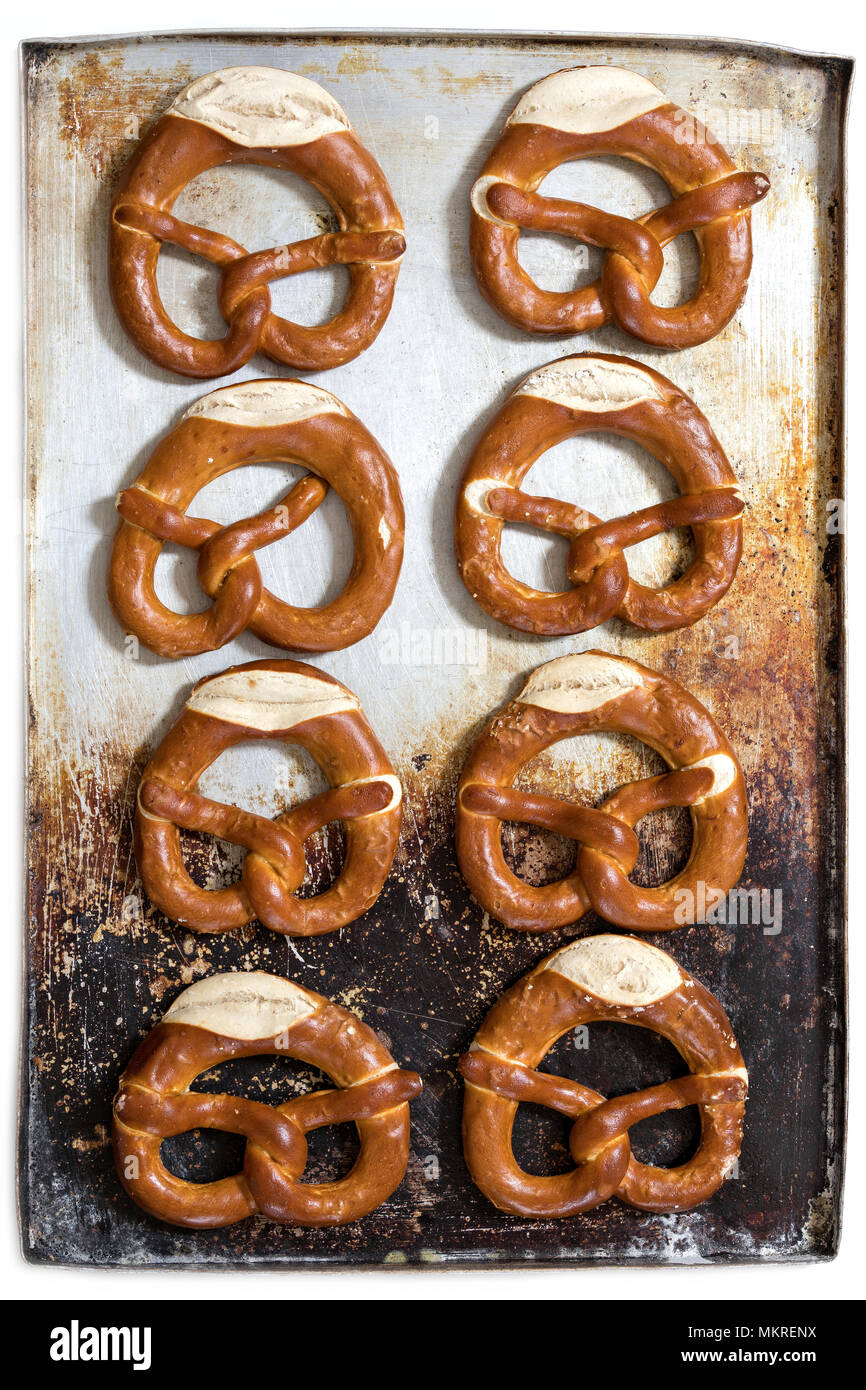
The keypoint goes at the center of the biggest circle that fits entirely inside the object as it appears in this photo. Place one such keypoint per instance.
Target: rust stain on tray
(105, 109)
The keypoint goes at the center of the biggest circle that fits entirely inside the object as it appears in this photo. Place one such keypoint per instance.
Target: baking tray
(425, 964)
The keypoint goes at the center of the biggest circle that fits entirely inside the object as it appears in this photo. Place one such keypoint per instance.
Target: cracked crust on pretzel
(584, 101)
(591, 383)
(270, 700)
(580, 682)
(243, 1004)
(258, 107)
(265, 404)
(617, 969)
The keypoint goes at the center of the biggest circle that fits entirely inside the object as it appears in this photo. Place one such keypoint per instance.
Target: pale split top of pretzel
(592, 392)
(254, 115)
(599, 111)
(289, 422)
(614, 979)
(593, 692)
(294, 703)
(245, 1014)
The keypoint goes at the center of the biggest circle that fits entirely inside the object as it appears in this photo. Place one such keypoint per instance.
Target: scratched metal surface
(425, 965)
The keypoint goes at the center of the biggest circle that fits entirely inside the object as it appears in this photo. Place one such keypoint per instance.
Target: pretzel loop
(243, 1015)
(282, 120)
(236, 588)
(584, 693)
(601, 979)
(297, 704)
(598, 111)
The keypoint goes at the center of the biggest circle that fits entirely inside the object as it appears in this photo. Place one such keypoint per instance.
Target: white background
(831, 27)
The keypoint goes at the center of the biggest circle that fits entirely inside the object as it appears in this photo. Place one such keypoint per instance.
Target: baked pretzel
(594, 692)
(244, 1015)
(255, 422)
(294, 703)
(598, 393)
(613, 979)
(581, 113)
(254, 116)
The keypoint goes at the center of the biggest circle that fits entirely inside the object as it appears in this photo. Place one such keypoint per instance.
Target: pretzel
(255, 422)
(599, 693)
(294, 703)
(247, 1014)
(599, 393)
(614, 979)
(581, 113)
(254, 116)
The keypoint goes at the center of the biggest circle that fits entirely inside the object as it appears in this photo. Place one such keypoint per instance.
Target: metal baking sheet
(424, 966)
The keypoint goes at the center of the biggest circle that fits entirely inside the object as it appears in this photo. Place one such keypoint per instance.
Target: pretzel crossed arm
(246, 1014)
(593, 392)
(601, 979)
(254, 116)
(298, 704)
(594, 692)
(594, 111)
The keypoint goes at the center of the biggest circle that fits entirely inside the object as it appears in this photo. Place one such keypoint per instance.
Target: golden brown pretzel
(594, 111)
(244, 1015)
(576, 395)
(295, 703)
(596, 692)
(257, 422)
(254, 116)
(612, 979)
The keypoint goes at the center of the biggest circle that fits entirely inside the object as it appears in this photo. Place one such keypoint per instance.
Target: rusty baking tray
(424, 965)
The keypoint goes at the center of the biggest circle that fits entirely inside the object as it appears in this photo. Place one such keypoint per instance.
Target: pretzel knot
(258, 421)
(254, 116)
(593, 111)
(596, 692)
(612, 979)
(295, 703)
(244, 1015)
(590, 392)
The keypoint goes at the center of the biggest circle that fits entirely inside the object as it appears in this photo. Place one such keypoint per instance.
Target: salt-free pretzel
(615, 979)
(594, 692)
(294, 703)
(246, 1014)
(596, 111)
(257, 422)
(592, 392)
(249, 115)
